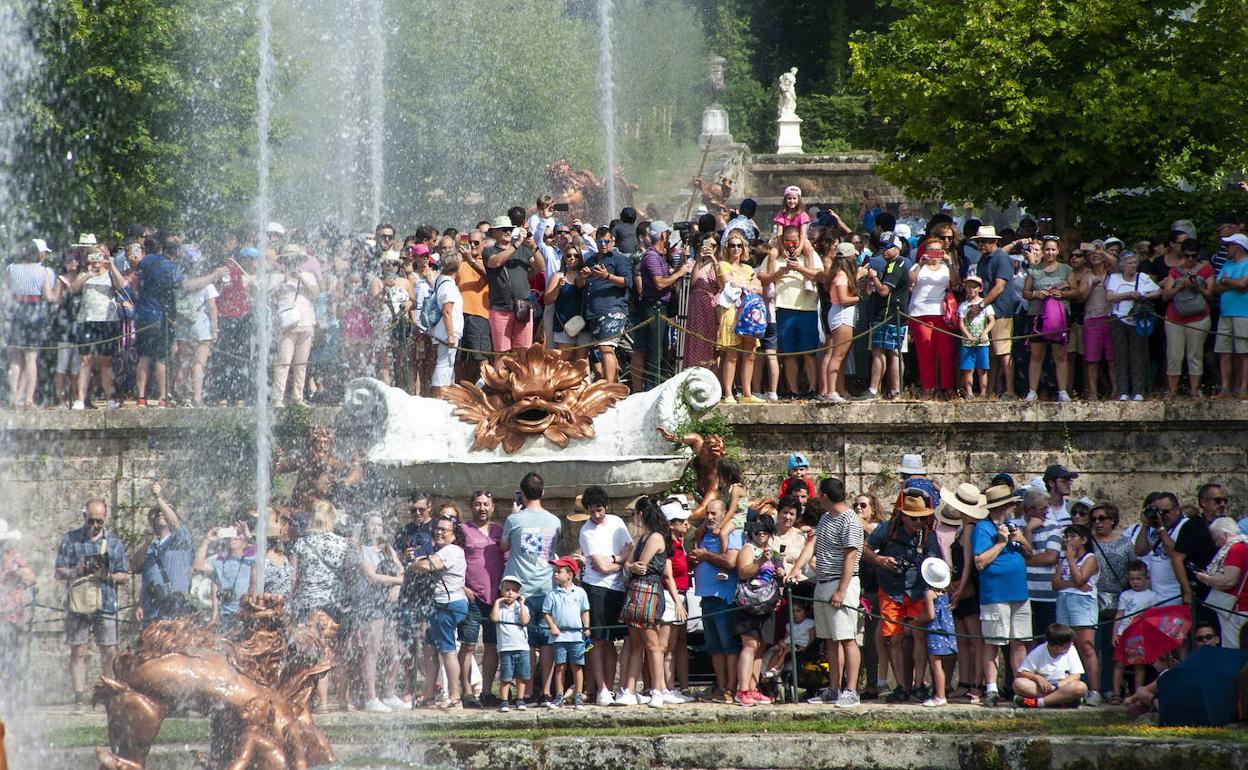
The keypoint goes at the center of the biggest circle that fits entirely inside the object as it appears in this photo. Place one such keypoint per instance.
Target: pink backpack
(1051, 324)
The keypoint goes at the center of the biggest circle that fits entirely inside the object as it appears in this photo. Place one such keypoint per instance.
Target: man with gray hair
(1045, 535)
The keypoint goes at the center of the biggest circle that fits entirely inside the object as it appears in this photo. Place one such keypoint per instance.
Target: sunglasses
(862, 505)
(1205, 638)
(563, 232)
(790, 243)
(483, 493)
(603, 242)
(386, 236)
(418, 508)
(1073, 514)
(1051, 238)
(736, 245)
(96, 521)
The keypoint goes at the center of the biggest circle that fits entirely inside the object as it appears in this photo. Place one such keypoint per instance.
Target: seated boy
(1050, 674)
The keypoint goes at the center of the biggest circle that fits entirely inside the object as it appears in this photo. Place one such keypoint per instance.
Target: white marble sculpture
(789, 125)
(788, 94)
(418, 442)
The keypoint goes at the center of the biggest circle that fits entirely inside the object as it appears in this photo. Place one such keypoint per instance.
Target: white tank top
(929, 290)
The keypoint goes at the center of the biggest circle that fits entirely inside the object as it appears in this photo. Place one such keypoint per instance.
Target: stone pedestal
(714, 127)
(789, 135)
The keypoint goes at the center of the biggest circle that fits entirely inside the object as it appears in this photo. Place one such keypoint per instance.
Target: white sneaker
(605, 698)
(848, 699)
(78, 406)
(1031, 396)
(657, 699)
(1137, 397)
(1063, 396)
(394, 702)
(112, 404)
(771, 395)
(628, 698)
(1093, 698)
(680, 696)
(672, 699)
(1124, 397)
(377, 707)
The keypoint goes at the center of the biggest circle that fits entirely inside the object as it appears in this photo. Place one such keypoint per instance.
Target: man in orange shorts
(896, 550)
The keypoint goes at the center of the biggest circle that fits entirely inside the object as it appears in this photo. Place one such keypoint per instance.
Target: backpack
(1050, 324)
(431, 311)
(752, 316)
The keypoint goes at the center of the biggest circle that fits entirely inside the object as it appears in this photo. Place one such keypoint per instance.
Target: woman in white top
(449, 329)
(1125, 289)
(32, 288)
(293, 290)
(842, 282)
(393, 300)
(449, 567)
(377, 599)
(935, 343)
(194, 334)
(99, 325)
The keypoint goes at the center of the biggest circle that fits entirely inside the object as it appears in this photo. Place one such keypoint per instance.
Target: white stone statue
(788, 94)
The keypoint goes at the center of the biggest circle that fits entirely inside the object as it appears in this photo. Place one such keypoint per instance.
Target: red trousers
(936, 351)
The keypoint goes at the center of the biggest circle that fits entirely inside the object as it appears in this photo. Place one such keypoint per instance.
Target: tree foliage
(1053, 101)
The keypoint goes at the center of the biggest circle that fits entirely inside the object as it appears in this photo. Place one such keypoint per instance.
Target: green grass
(1115, 724)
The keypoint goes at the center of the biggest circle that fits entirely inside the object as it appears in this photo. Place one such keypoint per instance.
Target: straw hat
(997, 496)
(578, 510)
(914, 507)
(965, 498)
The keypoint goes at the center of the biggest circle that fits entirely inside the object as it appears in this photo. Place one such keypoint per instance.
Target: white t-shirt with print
(1131, 602)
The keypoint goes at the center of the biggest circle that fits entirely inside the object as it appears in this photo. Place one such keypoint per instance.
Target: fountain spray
(263, 315)
(606, 93)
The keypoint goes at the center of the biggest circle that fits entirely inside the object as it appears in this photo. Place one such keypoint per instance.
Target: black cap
(749, 207)
(1002, 478)
(1059, 472)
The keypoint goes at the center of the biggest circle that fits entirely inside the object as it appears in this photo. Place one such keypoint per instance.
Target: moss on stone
(1038, 755)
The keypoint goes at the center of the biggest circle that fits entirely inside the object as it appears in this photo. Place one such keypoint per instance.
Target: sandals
(451, 705)
(1114, 700)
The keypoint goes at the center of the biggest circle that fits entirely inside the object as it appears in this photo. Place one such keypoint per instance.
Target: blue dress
(941, 643)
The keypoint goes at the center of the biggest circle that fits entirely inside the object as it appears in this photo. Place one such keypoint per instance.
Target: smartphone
(562, 207)
(782, 549)
(463, 239)
(227, 533)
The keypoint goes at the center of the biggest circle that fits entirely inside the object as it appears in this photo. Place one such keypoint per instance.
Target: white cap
(676, 507)
(42, 245)
(1239, 239)
(275, 229)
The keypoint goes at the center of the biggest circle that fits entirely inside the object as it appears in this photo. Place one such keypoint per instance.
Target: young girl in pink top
(792, 212)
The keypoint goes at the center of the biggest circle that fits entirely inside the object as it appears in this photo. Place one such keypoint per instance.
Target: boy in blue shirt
(566, 611)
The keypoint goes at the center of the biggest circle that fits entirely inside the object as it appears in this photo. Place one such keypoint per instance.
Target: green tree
(1053, 101)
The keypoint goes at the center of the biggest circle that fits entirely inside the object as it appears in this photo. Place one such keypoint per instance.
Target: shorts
(1077, 610)
(755, 626)
(608, 329)
(80, 628)
(940, 631)
(842, 315)
(717, 627)
(888, 337)
(973, 357)
(98, 338)
(1096, 347)
(506, 333)
(1003, 622)
(1232, 335)
(67, 358)
(469, 630)
(892, 611)
(584, 339)
(572, 651)
(476, 338)
(443, 623)
(1000, 333)
(154, 339)
(653, 333)
(28, 324)
(669, 611)
(539, 633)
(838, 624)
(771, 339)
(797, 330)
(513, 665)
(605, 606)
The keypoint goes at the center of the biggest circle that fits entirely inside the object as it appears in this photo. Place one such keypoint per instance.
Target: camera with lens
(1154, 516)
(227, 595)
(95, 562)
(686, 229)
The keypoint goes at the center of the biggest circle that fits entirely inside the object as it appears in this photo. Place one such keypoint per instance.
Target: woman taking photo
(649, 576)
(321, 561)
(449, 568)
(1114, 552)
(935, 343)
(736, 279)
(568, 302)
(393, 297)
(375, 608)
(98, 323)
(703, 323)
(1126, 290)
(1096, 320)
(842, 284)
(1048, 281)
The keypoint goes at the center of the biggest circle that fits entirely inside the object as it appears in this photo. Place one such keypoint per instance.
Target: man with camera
(92, 561)
(1000, 548)
(658, 287)
(606, 276)
(1174, 547)
(229, 571)
(164, 560)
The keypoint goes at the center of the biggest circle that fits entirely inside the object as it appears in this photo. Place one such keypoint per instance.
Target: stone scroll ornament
(255, 687)
(534, 393)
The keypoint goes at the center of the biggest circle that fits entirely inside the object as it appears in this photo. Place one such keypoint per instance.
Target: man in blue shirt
(606, 277)
(229, 571)
(1000, 549)
(158, 279)
(92, 561)
(164, 560)
(716, 594)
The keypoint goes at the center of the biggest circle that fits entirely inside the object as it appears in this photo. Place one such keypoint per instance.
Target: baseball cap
(251, 252)
(1002, 478)
(1059, 472)
(889, 240)
(846, 249)
(1239, 239)
(41, 245)
(569, 562)
(798, 460)
(657, 228)
(676, 507)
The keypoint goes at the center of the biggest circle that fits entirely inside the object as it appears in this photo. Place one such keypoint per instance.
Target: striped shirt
(1046, 537)
(836, 534)
(26, 279)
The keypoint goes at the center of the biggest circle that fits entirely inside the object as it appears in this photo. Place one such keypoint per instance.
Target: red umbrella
(1153, 633)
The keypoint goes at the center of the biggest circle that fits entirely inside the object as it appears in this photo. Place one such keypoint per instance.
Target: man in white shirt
(605, 545)
(1050, 674)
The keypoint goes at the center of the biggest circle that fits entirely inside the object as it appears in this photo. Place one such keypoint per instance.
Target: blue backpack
(752, 316)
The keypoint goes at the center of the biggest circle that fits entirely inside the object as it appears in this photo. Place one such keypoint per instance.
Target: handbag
(1221, 600)
(86, 596)
(1189, 302)
(574, 325)
(288, 315)
(949, 309)
(758, 597)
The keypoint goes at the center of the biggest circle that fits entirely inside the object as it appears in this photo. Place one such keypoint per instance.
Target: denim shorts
(717, 627)
(608, 329)
(539, 634)
(472, 625)
(1077, 610)
(442, 625)
(513, 665)
(570, 650)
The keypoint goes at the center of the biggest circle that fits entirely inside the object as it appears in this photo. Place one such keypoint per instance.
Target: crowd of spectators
(806, 306)
(941, 593)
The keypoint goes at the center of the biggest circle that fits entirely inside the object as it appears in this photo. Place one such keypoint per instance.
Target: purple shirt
(485, 561)
(653, 263)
